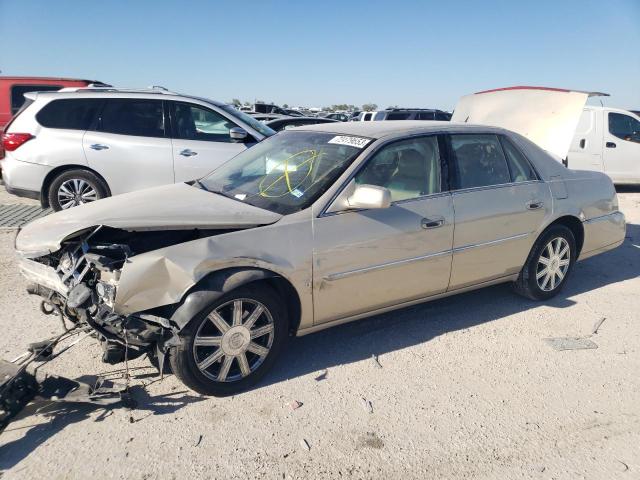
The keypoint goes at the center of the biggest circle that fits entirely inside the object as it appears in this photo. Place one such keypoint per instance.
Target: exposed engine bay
(88, 269)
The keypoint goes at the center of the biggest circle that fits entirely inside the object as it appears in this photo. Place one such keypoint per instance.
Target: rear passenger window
(69, 113)
(479, 161)
(408, 168)
(131, 116)
(519, 166)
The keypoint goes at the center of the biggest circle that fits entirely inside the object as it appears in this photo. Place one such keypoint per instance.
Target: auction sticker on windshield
(357, 142)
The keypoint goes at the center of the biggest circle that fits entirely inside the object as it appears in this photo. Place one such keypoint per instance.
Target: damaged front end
(79, 283)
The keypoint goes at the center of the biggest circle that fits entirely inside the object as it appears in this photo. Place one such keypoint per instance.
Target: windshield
(287, 172)
(249, 120)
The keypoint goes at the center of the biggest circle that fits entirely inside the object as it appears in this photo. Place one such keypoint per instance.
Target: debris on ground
(368, 406)
(597, 325)
(376, 361)
(570, 343)
(305, 445)
(199, 440)
(625, 467)
(295, 404)
(322, 375)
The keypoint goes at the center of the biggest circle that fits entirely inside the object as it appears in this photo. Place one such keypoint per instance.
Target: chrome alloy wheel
(76, 192)
(553, 264)
(234, 340)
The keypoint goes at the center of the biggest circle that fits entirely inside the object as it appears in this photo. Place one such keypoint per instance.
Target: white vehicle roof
(546, 116)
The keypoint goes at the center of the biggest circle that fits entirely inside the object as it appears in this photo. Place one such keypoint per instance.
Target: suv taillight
(12, 141)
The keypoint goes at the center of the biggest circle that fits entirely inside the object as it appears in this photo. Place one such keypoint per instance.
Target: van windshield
(286, 172)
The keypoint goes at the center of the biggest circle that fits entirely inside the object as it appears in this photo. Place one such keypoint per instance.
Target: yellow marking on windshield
(264, 191)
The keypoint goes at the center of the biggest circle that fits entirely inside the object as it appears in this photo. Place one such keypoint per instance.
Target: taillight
(12, 141)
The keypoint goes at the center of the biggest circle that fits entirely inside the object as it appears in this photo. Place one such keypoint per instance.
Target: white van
(607, 140)
(581, 136)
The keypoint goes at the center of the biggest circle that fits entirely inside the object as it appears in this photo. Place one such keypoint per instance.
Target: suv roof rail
(108, 88)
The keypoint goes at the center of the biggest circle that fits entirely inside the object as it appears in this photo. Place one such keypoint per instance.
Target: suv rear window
(69, 113)
(132, 116)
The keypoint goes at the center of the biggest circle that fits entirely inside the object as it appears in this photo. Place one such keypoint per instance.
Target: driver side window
(191, 122)
(624, 127)
(408, 168)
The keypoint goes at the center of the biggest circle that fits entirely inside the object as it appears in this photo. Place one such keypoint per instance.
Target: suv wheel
(232, 344)
(549, 264)
(75, 187)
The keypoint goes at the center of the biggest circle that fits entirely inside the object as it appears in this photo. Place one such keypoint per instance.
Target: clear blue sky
(317, 53)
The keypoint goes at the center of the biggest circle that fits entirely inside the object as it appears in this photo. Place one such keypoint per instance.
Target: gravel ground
(468, 389)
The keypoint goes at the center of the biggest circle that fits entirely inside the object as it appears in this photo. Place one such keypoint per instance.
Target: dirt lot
(468, 389)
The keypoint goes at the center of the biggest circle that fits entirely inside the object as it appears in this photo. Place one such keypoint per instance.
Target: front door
(622, 147)
(128, 145)
(369, 259)
(201, 141)
(499, 204)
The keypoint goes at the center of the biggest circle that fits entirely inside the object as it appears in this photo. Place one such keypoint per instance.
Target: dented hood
(169, 207)
(546, 116)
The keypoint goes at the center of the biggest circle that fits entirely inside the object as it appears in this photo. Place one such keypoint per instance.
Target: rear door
(129, 146)
(499, 204)
(201, 140)
(622, 147)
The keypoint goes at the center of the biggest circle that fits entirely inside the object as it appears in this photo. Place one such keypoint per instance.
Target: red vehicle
(12, 90)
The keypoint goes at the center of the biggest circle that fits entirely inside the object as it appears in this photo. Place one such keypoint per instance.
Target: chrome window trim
(493, 187)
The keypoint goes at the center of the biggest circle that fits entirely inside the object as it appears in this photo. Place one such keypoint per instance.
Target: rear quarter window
(69, 113)
(18, 91)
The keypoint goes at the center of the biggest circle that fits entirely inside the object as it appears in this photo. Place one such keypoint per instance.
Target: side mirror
(238, 134)
(370, 196)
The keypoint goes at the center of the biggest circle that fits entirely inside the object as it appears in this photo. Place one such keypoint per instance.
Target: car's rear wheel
(549, 264)
(75, 187)
(233, 343)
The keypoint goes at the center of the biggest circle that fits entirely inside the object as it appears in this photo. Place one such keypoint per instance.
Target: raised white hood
(546, 116)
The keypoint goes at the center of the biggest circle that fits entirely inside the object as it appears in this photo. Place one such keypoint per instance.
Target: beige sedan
(311, 228)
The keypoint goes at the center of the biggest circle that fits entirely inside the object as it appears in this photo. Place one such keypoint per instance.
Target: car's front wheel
(232, 344)
(549, 264)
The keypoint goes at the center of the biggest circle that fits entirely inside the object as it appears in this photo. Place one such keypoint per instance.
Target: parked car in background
(265, 117)
(268, 108)
(412, 114)
(581, 136)
(364, 117)
(74, 147)
(353, 116)
(290, 122)
(341, 117)
(313, 228)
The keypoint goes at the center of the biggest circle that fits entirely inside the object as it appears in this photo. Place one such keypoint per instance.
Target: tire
(536, 284)
(78, 186)
(226, 350)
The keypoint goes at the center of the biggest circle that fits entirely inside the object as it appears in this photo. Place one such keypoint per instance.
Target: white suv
(78, 145)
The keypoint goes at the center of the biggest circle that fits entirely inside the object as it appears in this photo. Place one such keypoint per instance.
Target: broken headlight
(106, 292)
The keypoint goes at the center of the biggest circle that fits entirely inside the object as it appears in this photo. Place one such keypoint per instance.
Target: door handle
(534, 205)
(99, 146)
(427, 223)
(188, 153)
(610, 145)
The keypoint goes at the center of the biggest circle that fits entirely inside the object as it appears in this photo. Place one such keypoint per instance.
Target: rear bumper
(20, 192)
(602, 234)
